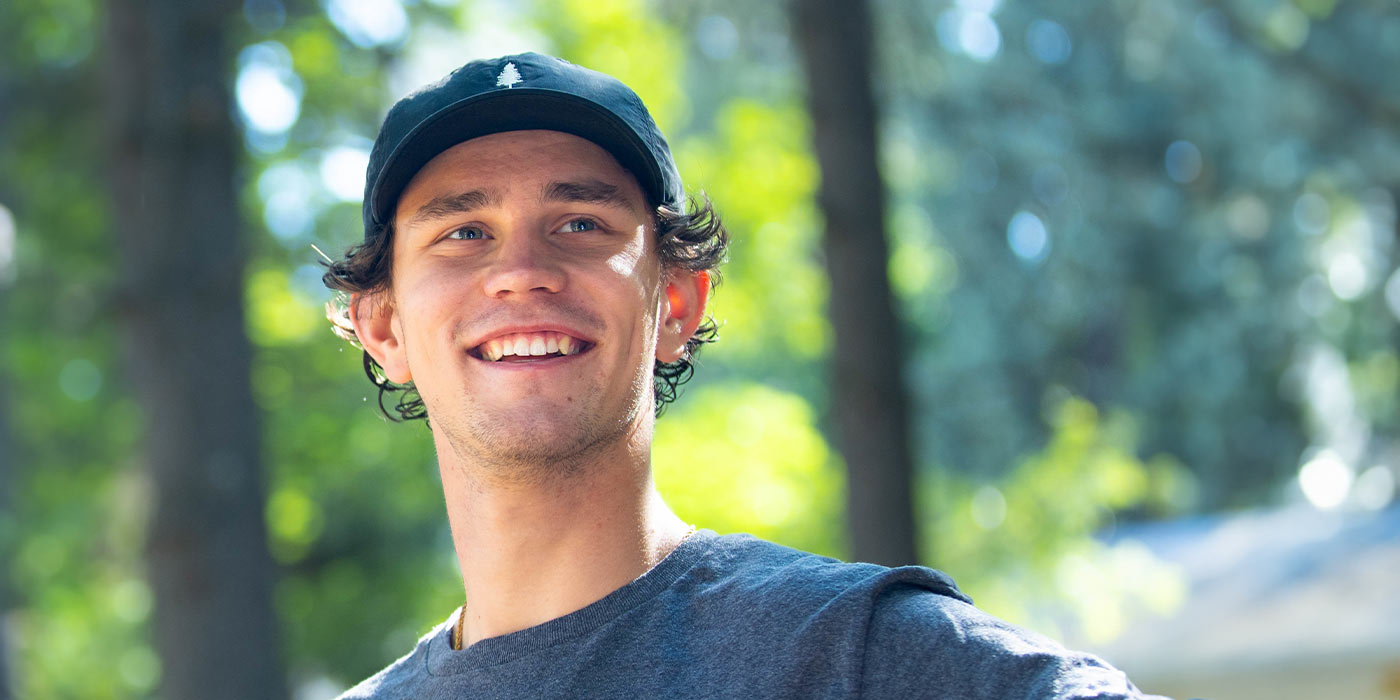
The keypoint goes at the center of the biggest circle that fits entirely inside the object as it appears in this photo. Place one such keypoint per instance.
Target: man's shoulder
(907, 631)
(913, 637)
(764, 567)
(400, 679)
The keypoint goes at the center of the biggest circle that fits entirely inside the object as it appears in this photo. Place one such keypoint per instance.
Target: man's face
(525, 297)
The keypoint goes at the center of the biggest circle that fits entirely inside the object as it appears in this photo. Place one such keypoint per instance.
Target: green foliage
(743, 457)
(1022, 546)
(621, 38)
(757, 168)
(1213, 204)
(71, 539)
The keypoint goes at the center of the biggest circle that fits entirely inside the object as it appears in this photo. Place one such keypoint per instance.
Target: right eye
(467, 233)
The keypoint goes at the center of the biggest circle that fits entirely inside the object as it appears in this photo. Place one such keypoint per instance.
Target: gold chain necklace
(455, 641)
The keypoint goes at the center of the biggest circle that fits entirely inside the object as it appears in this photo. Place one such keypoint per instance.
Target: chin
(531, 442)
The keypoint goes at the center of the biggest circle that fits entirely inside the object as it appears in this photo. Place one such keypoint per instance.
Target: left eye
(578, 225)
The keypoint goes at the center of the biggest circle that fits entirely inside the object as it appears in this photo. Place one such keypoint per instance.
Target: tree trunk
(175, 214)
(868, 402)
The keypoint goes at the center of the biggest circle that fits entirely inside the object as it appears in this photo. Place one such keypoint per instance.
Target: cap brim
(514, 109)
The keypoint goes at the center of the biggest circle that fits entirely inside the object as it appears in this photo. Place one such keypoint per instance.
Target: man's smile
(526, 346)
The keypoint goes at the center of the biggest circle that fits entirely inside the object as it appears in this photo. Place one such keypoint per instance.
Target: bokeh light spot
(988, 508)
(970, 32)
(139, 668)
(7, 245)
(343, 171)
(1048, 42)
(1375, 488)
(1346, 275)
(1183, 161)
(717, 37)
(267, 89)
(368, 23)
(1248, 217)
(1312, 214)
(132, 600)
(289, 208)
(80, 380)
(1392, 293)
(1028, 237)
(1325, 480)
(1287, 27)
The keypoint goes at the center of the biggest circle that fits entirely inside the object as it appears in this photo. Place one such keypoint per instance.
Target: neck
(535, 550)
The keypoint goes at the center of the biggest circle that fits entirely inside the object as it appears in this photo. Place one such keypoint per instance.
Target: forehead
(513, 163)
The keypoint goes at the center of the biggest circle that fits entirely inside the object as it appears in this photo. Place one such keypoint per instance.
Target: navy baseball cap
(516, 93)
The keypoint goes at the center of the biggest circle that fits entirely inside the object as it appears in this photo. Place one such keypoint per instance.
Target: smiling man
(533, 281)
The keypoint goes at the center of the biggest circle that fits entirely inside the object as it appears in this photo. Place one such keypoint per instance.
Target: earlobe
(686, 295)
(379, 333)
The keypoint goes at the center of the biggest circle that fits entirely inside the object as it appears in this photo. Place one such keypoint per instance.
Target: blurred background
(1091, 305)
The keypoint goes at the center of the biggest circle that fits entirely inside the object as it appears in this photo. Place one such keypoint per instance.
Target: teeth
(529, 345)
(492, 350)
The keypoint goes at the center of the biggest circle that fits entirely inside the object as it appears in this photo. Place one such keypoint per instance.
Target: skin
(545, 463)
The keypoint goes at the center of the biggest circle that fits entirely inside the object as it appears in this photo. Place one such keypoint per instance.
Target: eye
(579, 225)
(467, 233)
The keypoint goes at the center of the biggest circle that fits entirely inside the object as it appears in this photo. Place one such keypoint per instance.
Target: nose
(524, 263)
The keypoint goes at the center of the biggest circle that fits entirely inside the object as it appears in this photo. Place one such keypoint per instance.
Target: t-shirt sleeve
(924, 645)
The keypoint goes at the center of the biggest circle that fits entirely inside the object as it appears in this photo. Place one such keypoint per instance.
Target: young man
(532, 282)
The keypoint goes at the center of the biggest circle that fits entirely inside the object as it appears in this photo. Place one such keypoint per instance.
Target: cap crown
(516, 93)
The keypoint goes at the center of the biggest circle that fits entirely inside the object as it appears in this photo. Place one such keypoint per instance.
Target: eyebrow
(446, 205)
(589, 192)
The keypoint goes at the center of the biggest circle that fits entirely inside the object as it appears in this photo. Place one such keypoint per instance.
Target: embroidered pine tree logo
(509, 76)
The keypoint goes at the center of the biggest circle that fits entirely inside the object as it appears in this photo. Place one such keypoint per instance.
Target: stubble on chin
(534, 450)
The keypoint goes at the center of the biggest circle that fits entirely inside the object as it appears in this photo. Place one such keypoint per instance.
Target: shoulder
(900, 632)
(934, 646)
(762, 567)
(400, 679)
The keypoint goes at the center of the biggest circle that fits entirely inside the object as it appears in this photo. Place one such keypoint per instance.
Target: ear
(682, 311)
(380, 334)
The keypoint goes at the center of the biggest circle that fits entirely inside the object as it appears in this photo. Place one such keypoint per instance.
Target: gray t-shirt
(734, 616)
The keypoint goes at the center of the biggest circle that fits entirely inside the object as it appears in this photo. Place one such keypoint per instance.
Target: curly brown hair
(696, 241)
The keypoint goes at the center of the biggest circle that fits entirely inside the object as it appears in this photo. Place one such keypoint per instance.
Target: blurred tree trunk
(868, 399)
(175, 214)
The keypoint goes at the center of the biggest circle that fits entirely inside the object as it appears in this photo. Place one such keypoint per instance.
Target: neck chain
(455, 641)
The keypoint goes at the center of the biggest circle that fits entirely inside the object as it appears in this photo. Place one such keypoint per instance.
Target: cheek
(630, 260)
(636, 265)
(427, 305)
